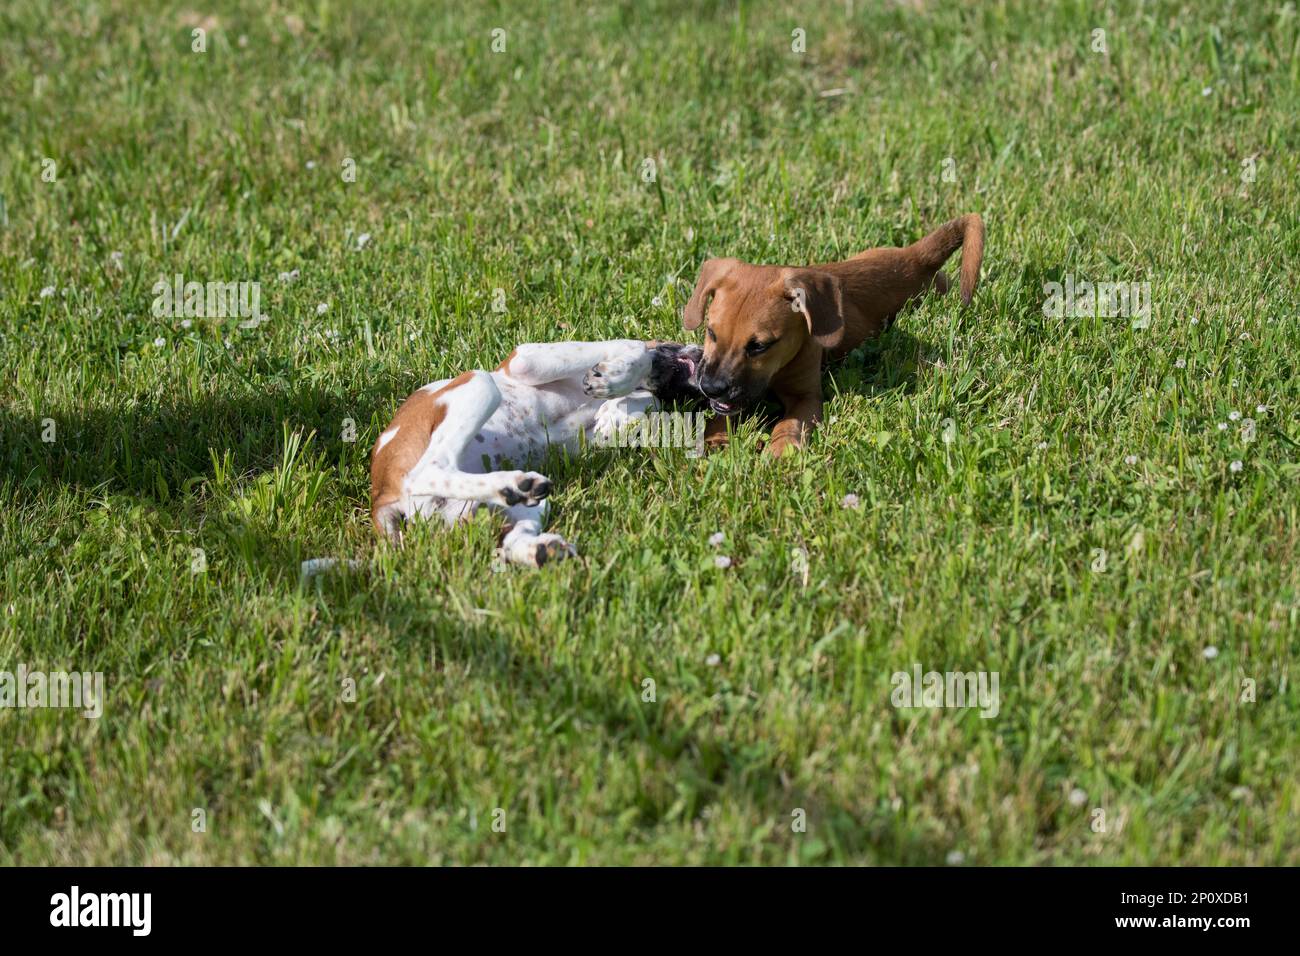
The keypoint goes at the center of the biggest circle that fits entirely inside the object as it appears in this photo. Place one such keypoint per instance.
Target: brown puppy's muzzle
(728, 393)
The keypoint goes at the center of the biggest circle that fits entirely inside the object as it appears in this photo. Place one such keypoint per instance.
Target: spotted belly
(518, 438)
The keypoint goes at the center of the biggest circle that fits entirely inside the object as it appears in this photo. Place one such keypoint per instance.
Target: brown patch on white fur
(415, 422)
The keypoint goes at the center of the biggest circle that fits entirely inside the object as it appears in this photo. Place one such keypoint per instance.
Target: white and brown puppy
(443, 453)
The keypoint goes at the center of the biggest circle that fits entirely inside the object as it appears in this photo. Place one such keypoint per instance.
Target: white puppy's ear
(817, 295)
(711, 275)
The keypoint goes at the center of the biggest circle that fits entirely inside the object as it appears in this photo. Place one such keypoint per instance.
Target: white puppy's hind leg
(437, 474)
(525, 543)
(502, 488)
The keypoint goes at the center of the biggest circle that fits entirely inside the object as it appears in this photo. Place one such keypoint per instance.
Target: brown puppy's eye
(755, 347)
(709, 333)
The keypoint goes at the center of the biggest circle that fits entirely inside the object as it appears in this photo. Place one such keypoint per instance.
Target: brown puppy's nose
(713, 385)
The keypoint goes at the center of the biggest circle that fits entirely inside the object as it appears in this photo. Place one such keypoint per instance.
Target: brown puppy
(771, 327)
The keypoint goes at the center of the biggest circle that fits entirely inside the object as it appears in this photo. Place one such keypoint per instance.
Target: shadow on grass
(160, 450)
(148, 462)
(890, 363)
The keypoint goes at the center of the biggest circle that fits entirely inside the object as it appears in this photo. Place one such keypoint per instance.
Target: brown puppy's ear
(711, 273)
(817, 295)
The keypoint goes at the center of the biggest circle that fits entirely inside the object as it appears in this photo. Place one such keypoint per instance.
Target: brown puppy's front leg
(715, 434)
(799, 388)
(802, 415)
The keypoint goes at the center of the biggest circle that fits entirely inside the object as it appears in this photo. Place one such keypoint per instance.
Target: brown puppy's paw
(783, 446)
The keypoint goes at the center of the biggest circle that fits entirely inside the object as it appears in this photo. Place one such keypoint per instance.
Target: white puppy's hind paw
(524, 488)
(537, 550)
(551, 547)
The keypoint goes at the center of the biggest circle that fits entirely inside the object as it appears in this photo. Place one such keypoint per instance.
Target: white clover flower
(186, 323)
(159, 342)
(1041, 445)
(48, 291)
(288, 276)
(956, 858)
(717, 538)
(1233, 415)
(1130, 459)
(116, 259)
(322, 308)
(1210, 653)
(1235, 466)
(1078, 797)
(722, 561)
(1181, 363)
(1223, 426)
(849, 501)
(656, 302)
(1261, 409)
(1207, 91)
(363, 240)
(713, 660)
(311, 164)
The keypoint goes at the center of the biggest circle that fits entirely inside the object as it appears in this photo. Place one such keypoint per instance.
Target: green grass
(519, 690)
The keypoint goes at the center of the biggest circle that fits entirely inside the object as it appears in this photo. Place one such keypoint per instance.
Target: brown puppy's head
(759, 319)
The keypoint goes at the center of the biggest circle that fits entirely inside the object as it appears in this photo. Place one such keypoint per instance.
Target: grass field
(1051, 499)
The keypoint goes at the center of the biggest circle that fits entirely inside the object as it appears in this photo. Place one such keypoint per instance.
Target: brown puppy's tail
(968, 233)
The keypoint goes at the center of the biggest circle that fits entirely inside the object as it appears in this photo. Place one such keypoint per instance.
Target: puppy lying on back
(456, 445)
(771, 327)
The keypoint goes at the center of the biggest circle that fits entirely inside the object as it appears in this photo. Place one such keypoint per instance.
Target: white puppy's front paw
(619, 374)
